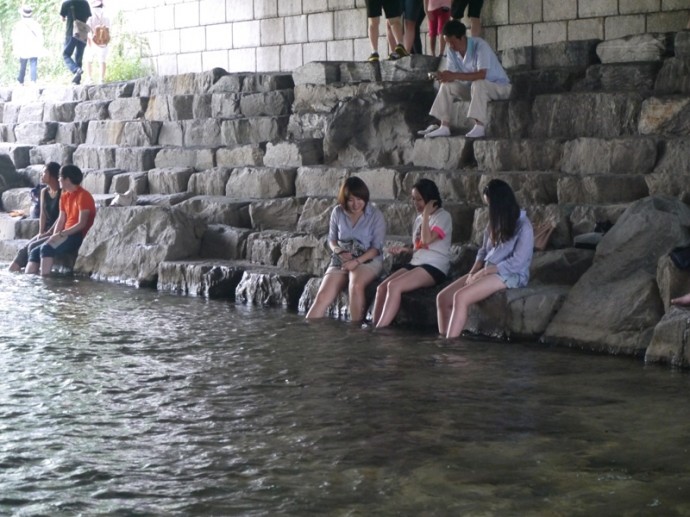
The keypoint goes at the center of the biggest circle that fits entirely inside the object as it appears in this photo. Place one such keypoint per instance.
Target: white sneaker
(429, 129)
(441, 131)
(477, 131)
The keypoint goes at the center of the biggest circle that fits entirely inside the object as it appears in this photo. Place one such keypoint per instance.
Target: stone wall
(281, 35)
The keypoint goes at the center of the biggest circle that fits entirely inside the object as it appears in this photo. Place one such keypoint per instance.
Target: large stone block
(105, 132)
(268, 104)
(17, 228)
(138, 182)
(59, 112)
(320, 98)
(171, 134)
(669, 343)
(167, 108)
(601, 189)
(412, 68)
(516, 155)
(530, 83)
(638, 47)
(261, 183)
(320, 180)
(230, 83)
(302, 126)
(142, 133)
(614, 156)
(128, 108)
(198, 159)
(562, 267)
(91, 110)
(265, 247)
(136, 159)
(110, 91)
(218, 210)
(59, 153)
(531, 188)
(241, 156)
(71, 133)
(359, 71)
(271, 287)
(169, 180)
(574, 53)
(202, 133)
(10, 112)
(672, 282)
(225, 105)
(455, 186)
(18, 199)
(294, 154)
(210, 182)
(18, 154)
(35, 133)
(584, 218)
(275, 214)
(99, 181)
(674, 77)
(509, 119)
(399, 217)
(619, 77)
(315, 216)
(665, 115)
(317, 72)
(128, 244)
(253, 130)
(443, 153)
(266, 82)
(94, 157)
(30, 112)
(221, 241)
(383, 182)
(205, 278)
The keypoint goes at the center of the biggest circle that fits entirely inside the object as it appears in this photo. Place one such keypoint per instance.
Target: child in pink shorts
(438, 13)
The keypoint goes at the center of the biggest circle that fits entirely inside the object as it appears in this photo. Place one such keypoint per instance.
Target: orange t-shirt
(74, 202)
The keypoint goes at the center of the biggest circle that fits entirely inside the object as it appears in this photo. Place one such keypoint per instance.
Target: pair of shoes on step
(477, 131)
(399, 52)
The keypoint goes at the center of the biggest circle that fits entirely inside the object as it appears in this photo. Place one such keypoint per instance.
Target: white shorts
(95, 53)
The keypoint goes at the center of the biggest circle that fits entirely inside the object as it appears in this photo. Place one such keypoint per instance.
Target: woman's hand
(345, 256)
(351, 265)
(429, 208)
(397, 250)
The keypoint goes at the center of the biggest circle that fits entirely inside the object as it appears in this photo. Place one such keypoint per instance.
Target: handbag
(80, 29)
(681, 257)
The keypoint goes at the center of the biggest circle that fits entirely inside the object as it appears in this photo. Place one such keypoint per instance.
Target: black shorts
(413, 9)
(438, 275)
(392, 8)
(457, 9)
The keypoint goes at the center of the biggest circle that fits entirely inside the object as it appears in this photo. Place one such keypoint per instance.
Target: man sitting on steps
(474, 73)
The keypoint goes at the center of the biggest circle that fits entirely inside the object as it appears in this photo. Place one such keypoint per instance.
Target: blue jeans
(73, 45)
(33, 62)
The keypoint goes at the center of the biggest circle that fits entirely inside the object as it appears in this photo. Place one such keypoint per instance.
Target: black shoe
(77, 76)
(374, 57)
(401, 51)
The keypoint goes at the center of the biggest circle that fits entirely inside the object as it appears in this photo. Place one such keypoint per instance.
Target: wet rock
(599, 313)
(672, 282)
(669, 343)
(208, 279)
(271, 287)
(128, 244)
(221, 241)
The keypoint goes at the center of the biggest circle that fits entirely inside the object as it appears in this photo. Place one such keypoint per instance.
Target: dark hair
(353, 186)
(428, 191)
(454, 28)
(504, 210)
(53, 169)
(72, 173)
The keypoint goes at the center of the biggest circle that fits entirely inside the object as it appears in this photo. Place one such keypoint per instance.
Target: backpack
(101, 35)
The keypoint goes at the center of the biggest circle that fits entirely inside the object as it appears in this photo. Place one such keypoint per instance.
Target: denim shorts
(511, 280)
(71, 244)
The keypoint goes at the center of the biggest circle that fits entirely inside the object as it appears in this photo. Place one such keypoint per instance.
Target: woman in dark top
(50, 210)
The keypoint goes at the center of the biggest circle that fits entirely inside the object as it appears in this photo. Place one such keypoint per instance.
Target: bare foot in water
(683, 300)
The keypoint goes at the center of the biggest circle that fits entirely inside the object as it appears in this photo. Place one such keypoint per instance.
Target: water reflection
(122, 401)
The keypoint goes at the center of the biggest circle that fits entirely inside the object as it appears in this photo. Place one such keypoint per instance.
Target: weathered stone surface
(399, 217)
(637, 47)
(17, 199)
(99, 181)
(225, 105)
(135, 159)
(583, 219)
(601, 189)
(412, 68)
(209, 279)
(443, 153)
(669, 343)
(265, 247)
(674, 77)
(202, 133)
(563, 267)
(59, 153)
(261, 182)
(304, 253)
(210, 182)
(181, 84)
(359, 71)
(169, 180)
(317, 72)
(530, 83)
(35, 133)
(218, 210)
(672, 281)
(110, 91)
(167, 108)
(383, 182)
(267, 104)
(17, 228)
(320, 180)
(202, 106)
(94, 157)
(91, 110)
(140, 133)
(665, 115)
(7, 133)
(378, 129)
(308, 125)
(171, 134)
(128, 244)
(10, 112)
(618, 77)
(681, 44)
(59, 112)
(517, 58)
(266, 82)
(17, 153)
(608, 115)
(253, 130)
(338, 309)
(321, 98)
(222, 241)
(610, 156)
(197, 158)
(315, 216)
(10, 248)
(164, 200)
(508, 119)
(624, 268)
(138, 182)
(241, 156)
(228, 83)
(73, 133)
(127, 108)
(279, 214)
(31, 112)
(64, 93)
(576, 53)
(531, 188)
(105, 132)
(294, 154)
(517, 155)
(454, 186)
(271, 287)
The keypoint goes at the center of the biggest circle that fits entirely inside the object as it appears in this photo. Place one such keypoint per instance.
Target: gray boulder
(205, 278)
(637, 47)
(669, 343)
(271, 287)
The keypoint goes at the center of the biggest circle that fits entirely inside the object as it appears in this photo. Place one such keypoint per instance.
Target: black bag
(681, 257)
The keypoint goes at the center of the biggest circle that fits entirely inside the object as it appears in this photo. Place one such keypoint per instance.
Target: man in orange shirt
(77, 213)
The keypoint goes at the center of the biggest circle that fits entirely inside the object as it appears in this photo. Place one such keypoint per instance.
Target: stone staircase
(236, 174)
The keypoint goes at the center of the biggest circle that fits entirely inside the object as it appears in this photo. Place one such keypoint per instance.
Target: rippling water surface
(116, 401)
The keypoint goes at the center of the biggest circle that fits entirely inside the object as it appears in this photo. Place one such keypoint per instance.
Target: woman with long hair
(431, 235)
(356, 234)
(502, 262)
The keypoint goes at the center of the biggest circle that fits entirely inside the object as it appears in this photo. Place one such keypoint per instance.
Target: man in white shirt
(474, 73)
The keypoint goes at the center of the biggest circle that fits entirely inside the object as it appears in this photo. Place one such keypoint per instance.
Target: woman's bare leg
(476, 27)
(374, 33)
(409, 281)
(381, 293)
(444, 303)
(330, 286)
(360, 278)
(473, 293)
(681, 300)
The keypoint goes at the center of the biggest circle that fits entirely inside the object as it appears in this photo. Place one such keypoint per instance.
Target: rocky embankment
(235, 176)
